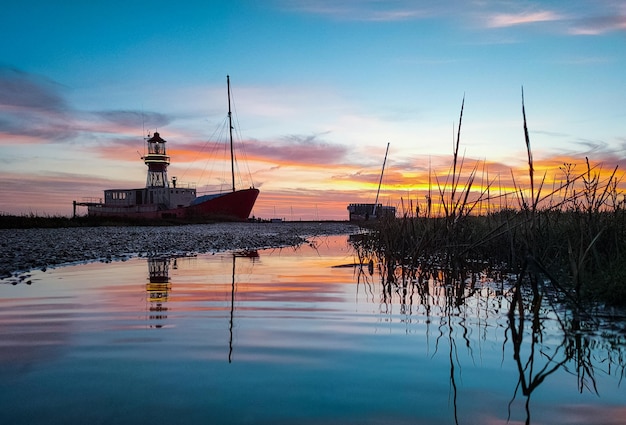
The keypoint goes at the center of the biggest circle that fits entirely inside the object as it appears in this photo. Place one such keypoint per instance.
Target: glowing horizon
(317, 94)
(329, 197)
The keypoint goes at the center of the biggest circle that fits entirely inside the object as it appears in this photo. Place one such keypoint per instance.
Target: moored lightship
(165, 199)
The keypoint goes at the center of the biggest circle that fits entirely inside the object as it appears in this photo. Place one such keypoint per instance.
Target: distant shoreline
(32, 221)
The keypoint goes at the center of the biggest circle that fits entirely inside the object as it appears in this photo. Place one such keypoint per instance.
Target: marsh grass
(32, 220)
(46, 221)
(571, 237)
(546, 256)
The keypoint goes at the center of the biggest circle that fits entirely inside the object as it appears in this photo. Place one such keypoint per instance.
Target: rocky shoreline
(22, 250)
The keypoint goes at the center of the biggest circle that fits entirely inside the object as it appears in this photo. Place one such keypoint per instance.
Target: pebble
(23, 250)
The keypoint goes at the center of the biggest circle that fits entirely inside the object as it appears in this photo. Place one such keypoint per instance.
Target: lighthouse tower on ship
(157, 162)
(160, 198)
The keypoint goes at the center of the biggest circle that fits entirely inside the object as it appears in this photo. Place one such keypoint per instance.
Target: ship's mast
(230, 129)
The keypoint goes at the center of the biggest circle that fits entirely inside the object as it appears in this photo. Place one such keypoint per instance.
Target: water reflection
(583, 347)
(542, 333)
(313, 334)
(158, 288)
(252, 256)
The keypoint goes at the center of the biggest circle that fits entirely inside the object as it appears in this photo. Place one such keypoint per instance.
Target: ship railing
(180, 185)
(91, 200)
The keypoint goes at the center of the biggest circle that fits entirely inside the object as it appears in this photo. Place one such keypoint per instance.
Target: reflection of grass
(464, 309)
(565, 248)
(572, 235)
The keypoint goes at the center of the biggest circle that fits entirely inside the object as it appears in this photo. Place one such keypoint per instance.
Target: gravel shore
(22, 250)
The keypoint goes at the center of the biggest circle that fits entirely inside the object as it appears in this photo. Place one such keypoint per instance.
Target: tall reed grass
(571, 236)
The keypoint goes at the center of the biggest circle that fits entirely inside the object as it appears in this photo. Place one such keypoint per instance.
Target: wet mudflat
(289, 335)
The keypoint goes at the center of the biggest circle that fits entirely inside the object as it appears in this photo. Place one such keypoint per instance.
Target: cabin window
(119, 195)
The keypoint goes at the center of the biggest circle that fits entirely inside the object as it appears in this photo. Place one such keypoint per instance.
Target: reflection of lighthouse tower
(158, 287)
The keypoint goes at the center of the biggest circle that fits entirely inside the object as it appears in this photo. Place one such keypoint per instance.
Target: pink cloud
(501, 20)
(294, 150)
(374, 11)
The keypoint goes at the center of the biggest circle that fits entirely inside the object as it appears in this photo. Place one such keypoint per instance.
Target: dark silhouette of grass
(572, 237)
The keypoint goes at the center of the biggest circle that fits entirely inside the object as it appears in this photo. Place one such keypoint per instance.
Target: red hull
(235, 206)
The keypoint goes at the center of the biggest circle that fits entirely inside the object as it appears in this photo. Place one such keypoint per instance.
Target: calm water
(286, 337)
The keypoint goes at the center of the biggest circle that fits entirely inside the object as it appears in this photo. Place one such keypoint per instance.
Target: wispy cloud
(405, 10)
(19, 89)
(595, 18)
(599, 25)
(35, 110)
(32, 107)
(299, 150)
(500, 20)
(577, 147)
(584, 60)
(130, 119)
(363, 10)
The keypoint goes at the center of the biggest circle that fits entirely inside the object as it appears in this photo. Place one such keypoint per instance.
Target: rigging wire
(210, 148)
(218, 141)
(241, 145)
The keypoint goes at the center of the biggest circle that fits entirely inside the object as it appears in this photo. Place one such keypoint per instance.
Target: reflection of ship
(163, 199)
(252, 255)
(158, 287)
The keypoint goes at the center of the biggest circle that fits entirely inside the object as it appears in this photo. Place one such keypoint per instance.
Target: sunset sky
(319, 87)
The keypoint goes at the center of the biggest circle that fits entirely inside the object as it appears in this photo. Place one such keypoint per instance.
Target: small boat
(165, 199)
(365, 212)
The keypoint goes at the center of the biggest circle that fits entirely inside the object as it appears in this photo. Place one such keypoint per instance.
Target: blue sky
(320, 87)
